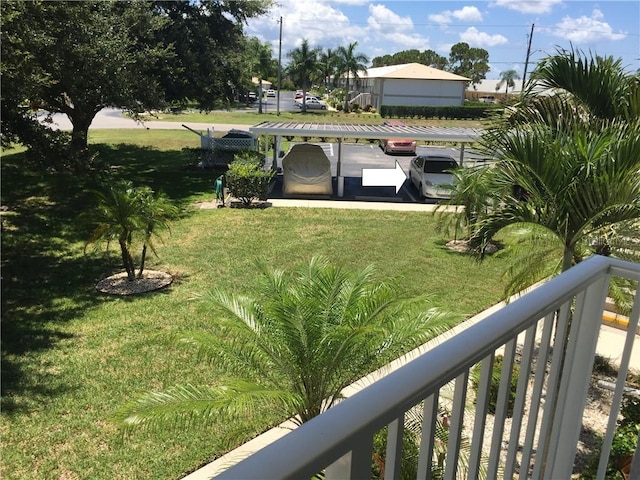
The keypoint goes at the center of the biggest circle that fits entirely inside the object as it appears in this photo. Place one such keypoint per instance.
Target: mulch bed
(119, 284)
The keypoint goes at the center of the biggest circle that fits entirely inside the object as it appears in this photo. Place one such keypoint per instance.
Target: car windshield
(439, 166)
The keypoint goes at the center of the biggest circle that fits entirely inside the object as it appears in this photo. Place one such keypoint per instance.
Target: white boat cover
(306, 171)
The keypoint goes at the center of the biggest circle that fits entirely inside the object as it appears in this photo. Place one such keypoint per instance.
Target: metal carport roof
(345, 130)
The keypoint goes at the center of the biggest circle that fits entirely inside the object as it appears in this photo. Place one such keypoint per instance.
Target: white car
(271, 93)
(430, 172)
(312, 102)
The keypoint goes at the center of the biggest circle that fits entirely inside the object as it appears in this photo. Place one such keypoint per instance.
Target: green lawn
(71, 357)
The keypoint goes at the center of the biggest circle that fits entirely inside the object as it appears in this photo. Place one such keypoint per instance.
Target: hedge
(449, 112)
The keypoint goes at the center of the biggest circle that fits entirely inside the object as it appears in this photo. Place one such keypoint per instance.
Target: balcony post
(578, 364)
(355, 464)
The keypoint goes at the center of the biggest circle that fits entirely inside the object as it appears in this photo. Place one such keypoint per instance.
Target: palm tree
(295, 348)
(304, 67)
(156, 211)
(350, 63)
(507, 79)
(126, 213)
(471, 194)
(576, 158)
(263, 67)
(327, 61)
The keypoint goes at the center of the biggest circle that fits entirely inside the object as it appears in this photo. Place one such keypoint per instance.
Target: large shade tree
(294, 347)
(470, 62)
(350, 64)
(304, 67)
(426, 57)
(571, 147)
(79, 57)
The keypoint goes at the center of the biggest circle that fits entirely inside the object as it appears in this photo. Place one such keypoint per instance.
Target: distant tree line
(463, 60)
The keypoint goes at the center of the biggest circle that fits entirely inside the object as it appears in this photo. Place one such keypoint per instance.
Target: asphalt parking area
(359, 156)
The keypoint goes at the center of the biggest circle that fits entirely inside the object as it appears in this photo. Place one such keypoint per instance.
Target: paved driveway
(357, 156)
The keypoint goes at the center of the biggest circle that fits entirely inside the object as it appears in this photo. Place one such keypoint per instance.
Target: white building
(409, 84)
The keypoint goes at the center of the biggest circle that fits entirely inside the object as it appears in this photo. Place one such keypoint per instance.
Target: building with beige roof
(409, 84)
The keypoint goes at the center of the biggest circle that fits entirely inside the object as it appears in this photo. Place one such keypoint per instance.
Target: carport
(340, 131)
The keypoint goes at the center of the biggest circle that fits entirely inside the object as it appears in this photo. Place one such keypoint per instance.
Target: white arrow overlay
(384, 177)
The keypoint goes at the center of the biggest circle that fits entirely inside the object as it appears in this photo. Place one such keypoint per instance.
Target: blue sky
(501, 27)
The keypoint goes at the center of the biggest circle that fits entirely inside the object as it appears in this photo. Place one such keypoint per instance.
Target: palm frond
(190, 406)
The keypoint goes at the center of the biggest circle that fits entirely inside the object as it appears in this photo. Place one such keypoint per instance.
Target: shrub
(495, 384)
(246, 178)
(453, 112)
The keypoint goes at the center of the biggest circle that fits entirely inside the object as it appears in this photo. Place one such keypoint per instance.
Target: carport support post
(461, 153)
(339, 176)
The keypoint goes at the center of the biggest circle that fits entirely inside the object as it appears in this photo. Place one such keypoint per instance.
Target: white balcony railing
(551, 333)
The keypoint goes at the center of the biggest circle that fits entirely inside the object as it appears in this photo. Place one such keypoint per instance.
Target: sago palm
(293, 348)
(131, 216)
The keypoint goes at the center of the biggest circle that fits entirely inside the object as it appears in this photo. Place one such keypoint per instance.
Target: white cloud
(317, 21)
(529, 6)
(465, 14)
(481, 39)
(586, 29)
(408, 42)
(383, 19)
(349, 2)
(468, 14)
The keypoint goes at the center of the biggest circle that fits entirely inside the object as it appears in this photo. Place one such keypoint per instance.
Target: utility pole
(526, 63)
(279, 71)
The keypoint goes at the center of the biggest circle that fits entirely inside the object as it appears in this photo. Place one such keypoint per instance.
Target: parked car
(250, 97)
(299, 94)
(312, 102)
(271, 93)
(397, 145)
(430, 172)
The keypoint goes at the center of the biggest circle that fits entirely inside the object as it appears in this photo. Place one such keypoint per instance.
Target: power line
(462, 25)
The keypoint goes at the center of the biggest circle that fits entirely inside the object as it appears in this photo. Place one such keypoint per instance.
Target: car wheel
(323, 107)
(386, 150)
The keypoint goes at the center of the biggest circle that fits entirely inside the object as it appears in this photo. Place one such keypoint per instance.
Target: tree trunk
(567, 258)
(260, 95)
(81, 122)
(127, 260)
(142, 260)
(346, 94)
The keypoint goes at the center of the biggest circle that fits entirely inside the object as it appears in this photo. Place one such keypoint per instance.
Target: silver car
(430, 172)
(312, 102)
